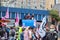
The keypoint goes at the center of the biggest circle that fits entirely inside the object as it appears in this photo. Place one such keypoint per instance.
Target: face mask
(52, 29)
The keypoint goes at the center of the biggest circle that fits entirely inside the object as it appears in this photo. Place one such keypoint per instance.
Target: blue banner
(28, 22)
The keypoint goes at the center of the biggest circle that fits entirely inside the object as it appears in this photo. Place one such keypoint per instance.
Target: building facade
(57, 1)
(49, 4)
(23, 7)
(38, 14)
(57, 7)
(29, 4)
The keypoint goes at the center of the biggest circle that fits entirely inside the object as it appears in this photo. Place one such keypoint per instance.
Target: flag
(42, 28)
(4, 23)
(17, 20)
(3, 18)
(6, 16)
(7, 13)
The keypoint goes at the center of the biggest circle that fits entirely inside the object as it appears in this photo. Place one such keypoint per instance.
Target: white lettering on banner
(42, 26)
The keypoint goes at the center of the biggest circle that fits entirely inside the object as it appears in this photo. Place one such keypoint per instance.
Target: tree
(55, 16)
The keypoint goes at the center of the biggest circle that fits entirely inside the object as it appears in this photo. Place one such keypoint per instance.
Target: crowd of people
(7, 33)
(28, 33)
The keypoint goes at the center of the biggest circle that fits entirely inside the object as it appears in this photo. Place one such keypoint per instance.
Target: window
(21, 2)
(35, 7)
(12, 1)
(6, 0)
(28, 0)
(22, 15)
(19, 15)
(51, 6)
(21, 6)
(35, 16)
(28, 7)
(15, 4)
(40, 5)
(39, 17)
(29, 3)
(43, 15)
(44, 3)
(44, 0)
(13, 15)
(34, 1)
(3, 14)
(43, 7)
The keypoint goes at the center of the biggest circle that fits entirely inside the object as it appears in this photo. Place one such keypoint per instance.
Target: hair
(11, 27)
(23, 29)
(30, 28)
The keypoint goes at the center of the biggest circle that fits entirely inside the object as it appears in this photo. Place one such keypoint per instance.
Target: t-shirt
(12, 32)
(26, 35)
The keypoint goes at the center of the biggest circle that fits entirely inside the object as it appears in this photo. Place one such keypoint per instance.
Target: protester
(52, 34)
(26, 34)
(22, 34)
(32, 17)
(12, 34)
(28, 16)
(47, 32)
(7, 31)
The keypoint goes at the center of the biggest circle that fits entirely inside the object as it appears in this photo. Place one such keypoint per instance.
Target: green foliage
(58, 18)
(54, 14)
